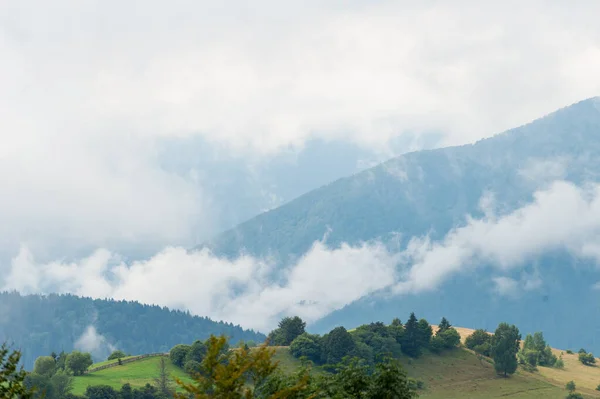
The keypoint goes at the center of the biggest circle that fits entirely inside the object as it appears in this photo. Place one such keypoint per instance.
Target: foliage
(307, 345)
(163, 381)
(569, 352)
(337, 344)
(12, 378)
(425, 332)
(196, 352)
(226, 374)
(289, 328)
(411, 337)
(78, 362)
(443, 326)
(44, 365)
(571, 386)
(118, 354)
(479, 338)
(178, 354)
(574, 395)
(536, 352)
(587, 359)
(50, 322)
(559, 364)
(505, 346)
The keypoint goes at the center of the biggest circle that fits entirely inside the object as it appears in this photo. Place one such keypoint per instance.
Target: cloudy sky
(90, 91)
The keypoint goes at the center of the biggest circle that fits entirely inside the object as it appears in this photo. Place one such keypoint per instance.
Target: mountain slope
(431, 193)
(39, 325)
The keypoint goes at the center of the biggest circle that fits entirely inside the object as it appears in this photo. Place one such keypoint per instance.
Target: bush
(178, 354)
(437, 344)
(587, 359)
(598, 387)
(559, 364)
(415, 384)
(569, 352)
(192, 367)
(570, 386)
(116, 355)
(306, 345)
(478, 338)
(574, 395)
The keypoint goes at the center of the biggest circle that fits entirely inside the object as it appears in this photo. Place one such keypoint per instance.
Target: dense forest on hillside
(39, 325)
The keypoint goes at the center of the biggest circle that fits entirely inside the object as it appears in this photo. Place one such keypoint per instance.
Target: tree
(78, 362)
(196, 352)
(44, 365)
(425, 333)
(288, 329)
(389, 381)
(336, 345)
(444, 325)
(478, 338)
(116, 355)
(559, 364)
(163, 381)
(234, 374)
(178, 354)
(410, 338)
(307, 345)
(450, 338)
(41, 384)
(505, 345)
(12, 378)
(587, 358)
(571, 386)
(101, 392)
(62, 383)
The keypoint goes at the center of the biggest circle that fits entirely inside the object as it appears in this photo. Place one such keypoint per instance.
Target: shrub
(598, 387)
(570, 386)
(587, 358)
(559, 364)
(116, 355)
(569, 352)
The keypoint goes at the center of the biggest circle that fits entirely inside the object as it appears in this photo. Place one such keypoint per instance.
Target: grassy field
(106, 362)
(137, 373)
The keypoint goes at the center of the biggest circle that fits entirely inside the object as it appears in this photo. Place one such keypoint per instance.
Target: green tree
(101, 392)
(41, 384)
(587, 359)
(444, 325)
(62, 383)
(571, 386)
(411, 337)
(389, 381)
(288, 329)
(163, 380)
(505, 345)
(425, 333)
(117, 354)
(12, 378)
(337, 344)
(450, 338)
(126, 392)
(78, 362)
(307, 345)
(178, 354)
(559, 364)
(44, 365)
(196, 352)
(479, 338)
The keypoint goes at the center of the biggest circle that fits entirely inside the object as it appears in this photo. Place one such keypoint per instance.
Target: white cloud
(241, 291)
(95, 343)
(562, 217)
(87, 87)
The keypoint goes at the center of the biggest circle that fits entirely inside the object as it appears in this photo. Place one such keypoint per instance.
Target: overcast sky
(88, 89)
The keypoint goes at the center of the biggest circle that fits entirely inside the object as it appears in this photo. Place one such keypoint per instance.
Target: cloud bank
(89, 89)
(254, 293)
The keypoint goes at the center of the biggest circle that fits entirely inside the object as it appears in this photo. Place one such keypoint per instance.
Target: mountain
(433, 192)
(39, 325)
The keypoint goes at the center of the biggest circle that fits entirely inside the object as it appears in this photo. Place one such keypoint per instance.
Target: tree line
(40, 324)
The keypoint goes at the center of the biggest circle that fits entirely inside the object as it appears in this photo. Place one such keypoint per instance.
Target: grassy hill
(138, 374)
(454, 374)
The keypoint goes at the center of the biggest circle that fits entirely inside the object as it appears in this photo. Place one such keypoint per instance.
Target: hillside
(455, 374)
(39, 325)
(429, 193)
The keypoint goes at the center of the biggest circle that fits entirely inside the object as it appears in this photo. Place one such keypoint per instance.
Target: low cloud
(256, 293)
(241, 291)
(564, 216)
(95, 343)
